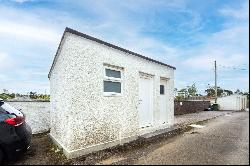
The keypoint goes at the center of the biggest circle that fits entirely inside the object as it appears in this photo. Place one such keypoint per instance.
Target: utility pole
(215, 75)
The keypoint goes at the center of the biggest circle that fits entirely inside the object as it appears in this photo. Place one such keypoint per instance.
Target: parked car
(209, 108)
(15, 134)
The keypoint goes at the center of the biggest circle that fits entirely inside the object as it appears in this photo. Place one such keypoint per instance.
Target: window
(110, 86)
(113, 73)
(112, 81)
(162, 90)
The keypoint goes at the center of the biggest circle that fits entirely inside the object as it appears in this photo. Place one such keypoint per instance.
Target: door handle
(140, 101)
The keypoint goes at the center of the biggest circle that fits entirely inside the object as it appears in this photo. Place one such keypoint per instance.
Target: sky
(187, 34)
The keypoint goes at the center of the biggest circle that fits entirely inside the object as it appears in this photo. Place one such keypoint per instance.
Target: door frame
(143, 75)
(165, 121)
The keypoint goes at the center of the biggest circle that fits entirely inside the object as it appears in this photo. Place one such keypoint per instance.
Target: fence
(185, 107)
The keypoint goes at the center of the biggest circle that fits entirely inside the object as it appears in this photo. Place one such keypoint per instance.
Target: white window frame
(113, 79)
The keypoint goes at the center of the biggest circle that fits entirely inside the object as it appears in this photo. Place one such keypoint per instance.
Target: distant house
(232, 102)
(103, 95)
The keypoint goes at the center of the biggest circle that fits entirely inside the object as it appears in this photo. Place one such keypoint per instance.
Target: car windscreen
(11, 110)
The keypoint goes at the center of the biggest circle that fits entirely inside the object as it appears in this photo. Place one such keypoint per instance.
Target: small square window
(110, 86)
(112, 83)
(162, 90)
(113, 73)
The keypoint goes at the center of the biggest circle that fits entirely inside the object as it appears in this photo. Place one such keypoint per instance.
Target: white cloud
(31, 32)
(151, 47)
(5, 61)
(240, 13)
(21, 1)
(26, 27)
(229, 47)
(6, 64)
(3, 77)
(27, 43)
(18, 24)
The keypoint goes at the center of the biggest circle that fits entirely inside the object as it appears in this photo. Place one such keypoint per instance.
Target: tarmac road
(224, 140)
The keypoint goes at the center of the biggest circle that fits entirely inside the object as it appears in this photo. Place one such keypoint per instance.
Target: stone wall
(185, 107)
(36, 113)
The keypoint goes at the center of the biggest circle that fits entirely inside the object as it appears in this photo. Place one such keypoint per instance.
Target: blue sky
(187, 34)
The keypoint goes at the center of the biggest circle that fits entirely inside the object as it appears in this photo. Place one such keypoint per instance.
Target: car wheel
(1, 156)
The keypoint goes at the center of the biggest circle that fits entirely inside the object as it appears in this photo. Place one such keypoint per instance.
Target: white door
(163, 101)
(145, 101)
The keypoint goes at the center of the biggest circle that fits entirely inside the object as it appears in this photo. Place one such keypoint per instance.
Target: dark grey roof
(105, 43)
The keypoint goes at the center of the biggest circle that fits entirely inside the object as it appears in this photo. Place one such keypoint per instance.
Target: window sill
(112, 95)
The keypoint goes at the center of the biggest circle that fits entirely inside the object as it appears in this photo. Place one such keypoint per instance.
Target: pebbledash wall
(36, 112)
(83, 119)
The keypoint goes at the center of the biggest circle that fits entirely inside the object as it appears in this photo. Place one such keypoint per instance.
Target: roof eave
(55, 57)
(72, 31)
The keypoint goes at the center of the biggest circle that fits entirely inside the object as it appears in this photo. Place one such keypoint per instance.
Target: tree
(4, 96)
(228, 92)
(7, 96)
(183, 92)
(192, 90)
(189, 91)
(247, 94)
(211, 91)
(238, 92)
(33, 95)
(5, 91)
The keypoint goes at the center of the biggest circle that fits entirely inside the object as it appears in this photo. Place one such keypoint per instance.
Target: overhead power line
(232, 67)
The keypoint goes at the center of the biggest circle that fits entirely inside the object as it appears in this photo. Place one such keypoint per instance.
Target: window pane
(113, 73)
(112, 86)
(162, 89)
